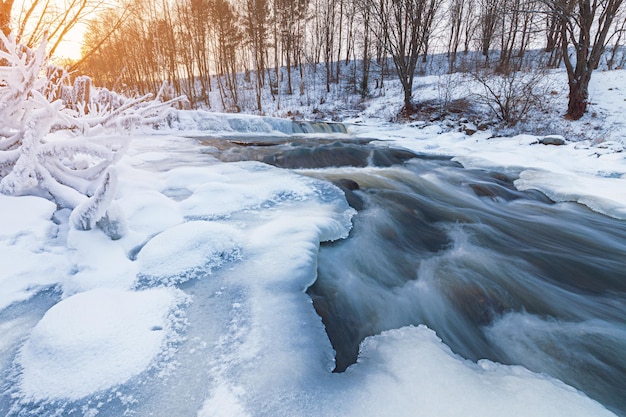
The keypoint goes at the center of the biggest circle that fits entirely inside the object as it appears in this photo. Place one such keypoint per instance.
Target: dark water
(499, 274)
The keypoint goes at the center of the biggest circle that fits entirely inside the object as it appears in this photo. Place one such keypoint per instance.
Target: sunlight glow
(69, 48)
(71, 45)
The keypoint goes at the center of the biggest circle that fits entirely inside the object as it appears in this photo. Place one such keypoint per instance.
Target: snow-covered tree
(77, 173)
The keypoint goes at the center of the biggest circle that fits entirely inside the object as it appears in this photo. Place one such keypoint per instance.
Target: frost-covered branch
(78, 173)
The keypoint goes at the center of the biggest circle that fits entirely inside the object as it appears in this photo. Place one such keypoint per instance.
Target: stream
(499, 274)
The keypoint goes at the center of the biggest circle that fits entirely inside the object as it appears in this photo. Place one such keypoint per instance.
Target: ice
(605, 195)
(223, 403)
(232, 192)
(94, 341)
(192, 248)
(409, 371)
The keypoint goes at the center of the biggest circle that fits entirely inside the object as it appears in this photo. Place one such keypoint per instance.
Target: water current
(500, 274)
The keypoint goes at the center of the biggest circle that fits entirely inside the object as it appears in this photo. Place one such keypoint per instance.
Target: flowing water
(499, 274)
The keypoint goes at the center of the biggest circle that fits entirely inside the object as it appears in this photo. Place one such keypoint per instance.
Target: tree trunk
(5, 16)
(576, 29)
(407, 88)
(577, 102)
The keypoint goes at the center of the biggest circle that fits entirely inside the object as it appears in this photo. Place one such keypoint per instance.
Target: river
(499, 274)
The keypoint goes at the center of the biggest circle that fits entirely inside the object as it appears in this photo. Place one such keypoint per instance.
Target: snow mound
(183, 251)
(25, 272)
(94, 341)
(410, 369)
(232, 192)
(29, 263)
(26, 215)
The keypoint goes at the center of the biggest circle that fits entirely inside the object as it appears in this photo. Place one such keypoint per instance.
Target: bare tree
(619, 33)
(490, 13)
(403, 27)
(517, 23)
(256, 22)
(37, 19)
(290, 15)
(366, 57)
(585, 26)
(5, 16)
(227, 38)
(457, 11)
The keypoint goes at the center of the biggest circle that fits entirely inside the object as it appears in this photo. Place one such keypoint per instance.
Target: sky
(70, 47)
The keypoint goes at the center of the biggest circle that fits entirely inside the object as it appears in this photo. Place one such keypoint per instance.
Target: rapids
(499, 274)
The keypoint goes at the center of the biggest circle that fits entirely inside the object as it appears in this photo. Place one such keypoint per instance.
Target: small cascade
(318, 127)
(241, 124)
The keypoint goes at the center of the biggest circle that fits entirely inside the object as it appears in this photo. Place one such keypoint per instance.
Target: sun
(30, 19)
(70, 46)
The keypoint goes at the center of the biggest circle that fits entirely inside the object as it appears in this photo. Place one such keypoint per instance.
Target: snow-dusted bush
(76, 173)
(511, 95)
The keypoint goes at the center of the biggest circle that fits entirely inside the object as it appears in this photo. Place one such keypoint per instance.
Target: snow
(28, 262)
(26, 217)
(208, 283)
(95, 340)
(405, 369)
(188, 249)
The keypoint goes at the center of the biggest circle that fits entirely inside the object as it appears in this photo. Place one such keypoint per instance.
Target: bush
(511, 95)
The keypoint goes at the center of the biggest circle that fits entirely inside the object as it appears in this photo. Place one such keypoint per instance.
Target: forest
(270, 47)
(252, 51)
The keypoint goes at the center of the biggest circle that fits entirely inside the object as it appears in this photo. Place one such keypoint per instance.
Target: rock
(347, 184)
(556, 140)
(469, 129)
(348, 187)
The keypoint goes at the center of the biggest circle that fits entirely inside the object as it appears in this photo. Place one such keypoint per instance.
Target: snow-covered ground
(200, 309)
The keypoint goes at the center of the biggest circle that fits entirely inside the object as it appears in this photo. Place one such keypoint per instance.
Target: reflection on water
(497, 273)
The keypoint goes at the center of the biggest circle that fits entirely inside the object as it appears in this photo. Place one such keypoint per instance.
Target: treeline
(200, 46)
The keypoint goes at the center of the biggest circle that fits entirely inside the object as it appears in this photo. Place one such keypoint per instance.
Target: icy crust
(96, 340)
(29, 261)
(409, 371)
(121, 305)
(191, 249)
(26, 216)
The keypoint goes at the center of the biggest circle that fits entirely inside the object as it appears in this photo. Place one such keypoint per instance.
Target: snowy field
(200, 309)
